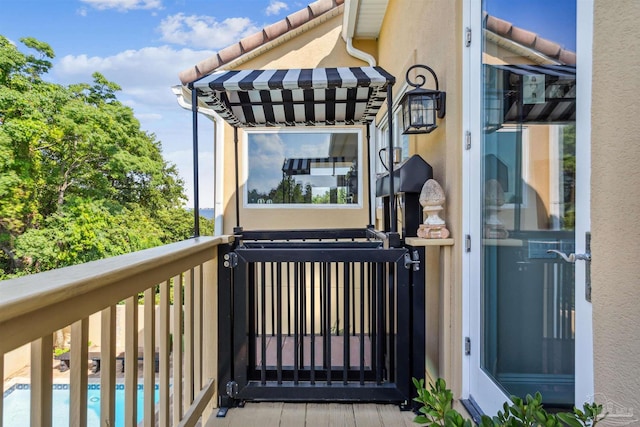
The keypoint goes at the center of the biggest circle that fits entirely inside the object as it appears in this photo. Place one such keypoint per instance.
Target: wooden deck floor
(269, 414)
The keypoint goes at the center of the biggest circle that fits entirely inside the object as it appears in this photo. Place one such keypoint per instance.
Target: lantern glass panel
(423, 111)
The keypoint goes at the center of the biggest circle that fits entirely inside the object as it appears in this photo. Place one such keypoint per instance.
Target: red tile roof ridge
(528, 39)
(258, 39)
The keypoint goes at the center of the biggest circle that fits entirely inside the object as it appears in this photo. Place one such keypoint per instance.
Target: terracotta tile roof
(262, 37)
(531, 40)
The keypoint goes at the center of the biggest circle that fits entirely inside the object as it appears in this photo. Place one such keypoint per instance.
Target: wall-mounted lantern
(421, 106)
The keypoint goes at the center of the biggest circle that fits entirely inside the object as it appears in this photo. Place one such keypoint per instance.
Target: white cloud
(145, 75)
(275, 7)
(82, 11)
(205, 31)
(124, 5)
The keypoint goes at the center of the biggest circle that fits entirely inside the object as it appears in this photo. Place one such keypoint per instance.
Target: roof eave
(363, 18)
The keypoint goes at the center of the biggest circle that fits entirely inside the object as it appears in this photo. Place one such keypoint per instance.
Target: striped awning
(553, 102)
(295, 97)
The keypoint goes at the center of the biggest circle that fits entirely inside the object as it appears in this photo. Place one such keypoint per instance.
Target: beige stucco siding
(615, 202)
(321, 46)
(430, 32)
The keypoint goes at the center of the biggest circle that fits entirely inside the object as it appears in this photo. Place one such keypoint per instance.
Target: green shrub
(437, 410)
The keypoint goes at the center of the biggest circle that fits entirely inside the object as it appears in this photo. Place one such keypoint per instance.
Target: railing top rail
(29, 293)
(309, 234)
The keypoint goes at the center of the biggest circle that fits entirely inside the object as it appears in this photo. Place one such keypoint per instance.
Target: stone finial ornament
(432, 199)
(493, 201)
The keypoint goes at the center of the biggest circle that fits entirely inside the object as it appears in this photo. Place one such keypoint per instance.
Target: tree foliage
(79, 179)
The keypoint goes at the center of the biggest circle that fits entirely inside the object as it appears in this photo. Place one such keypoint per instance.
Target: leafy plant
(589, 416)
(437, 410)
(57, 352)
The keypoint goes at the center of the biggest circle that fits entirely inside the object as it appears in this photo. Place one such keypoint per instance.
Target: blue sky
(142, 45)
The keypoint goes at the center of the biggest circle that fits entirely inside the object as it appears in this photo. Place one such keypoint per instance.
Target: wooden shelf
(418, 241)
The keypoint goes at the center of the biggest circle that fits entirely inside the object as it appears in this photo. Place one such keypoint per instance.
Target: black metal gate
(316, 316)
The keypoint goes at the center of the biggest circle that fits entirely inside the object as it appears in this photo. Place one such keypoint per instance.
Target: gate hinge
(467, 243)
(467, 140)
(412, 258)
(467, 346)
(231, 260)
(232, 389)
(467, 37)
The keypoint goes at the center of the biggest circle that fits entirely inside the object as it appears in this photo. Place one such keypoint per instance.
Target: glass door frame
(476, 385)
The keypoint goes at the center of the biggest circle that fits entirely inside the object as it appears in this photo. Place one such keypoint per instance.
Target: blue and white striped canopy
(295, 97)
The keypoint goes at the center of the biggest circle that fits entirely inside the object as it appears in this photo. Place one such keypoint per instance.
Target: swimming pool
(16, 405)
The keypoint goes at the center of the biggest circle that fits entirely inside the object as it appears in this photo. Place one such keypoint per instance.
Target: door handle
(572, 258)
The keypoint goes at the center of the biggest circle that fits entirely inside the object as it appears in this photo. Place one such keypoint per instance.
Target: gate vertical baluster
(362, 308)
(263, 326)
(337, 277)
(373, 330)
(303, 310)
(279, 328)
(327, 335)
(380, 320)
(353, 299)
(273, 301)
(346, 267)
(322, 298)
(288, 299)
(312, 346)
(252, 315)
(391, 316)
(295, 322)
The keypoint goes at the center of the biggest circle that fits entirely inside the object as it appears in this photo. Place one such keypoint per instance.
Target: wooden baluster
(41, 381)
(188, 340)
(210, 328)
(177, 349)
(149, 356)
(130, 362)
(165, 353)
(108, 367)
(197, 328)
(78, 376)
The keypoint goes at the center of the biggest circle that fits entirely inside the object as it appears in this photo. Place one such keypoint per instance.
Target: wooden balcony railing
(32, 308)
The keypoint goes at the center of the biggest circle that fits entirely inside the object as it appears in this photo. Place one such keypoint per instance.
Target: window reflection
(303, 168)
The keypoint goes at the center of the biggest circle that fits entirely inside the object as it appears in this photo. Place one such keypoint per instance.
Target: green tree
(79, 179)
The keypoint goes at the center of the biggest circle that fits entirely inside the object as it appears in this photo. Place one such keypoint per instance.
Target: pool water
(17, 402)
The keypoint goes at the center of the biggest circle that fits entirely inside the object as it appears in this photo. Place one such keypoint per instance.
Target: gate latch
(412, 258)
(231, 260)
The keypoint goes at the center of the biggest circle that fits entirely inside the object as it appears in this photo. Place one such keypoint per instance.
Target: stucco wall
(321, 46)
(615, 202)
(430, 32)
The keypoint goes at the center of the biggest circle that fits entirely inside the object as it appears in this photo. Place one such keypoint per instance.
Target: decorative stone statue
(432, 199)
(493, 201)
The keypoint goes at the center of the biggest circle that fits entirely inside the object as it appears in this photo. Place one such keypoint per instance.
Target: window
(299, 168)
(382, 143)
